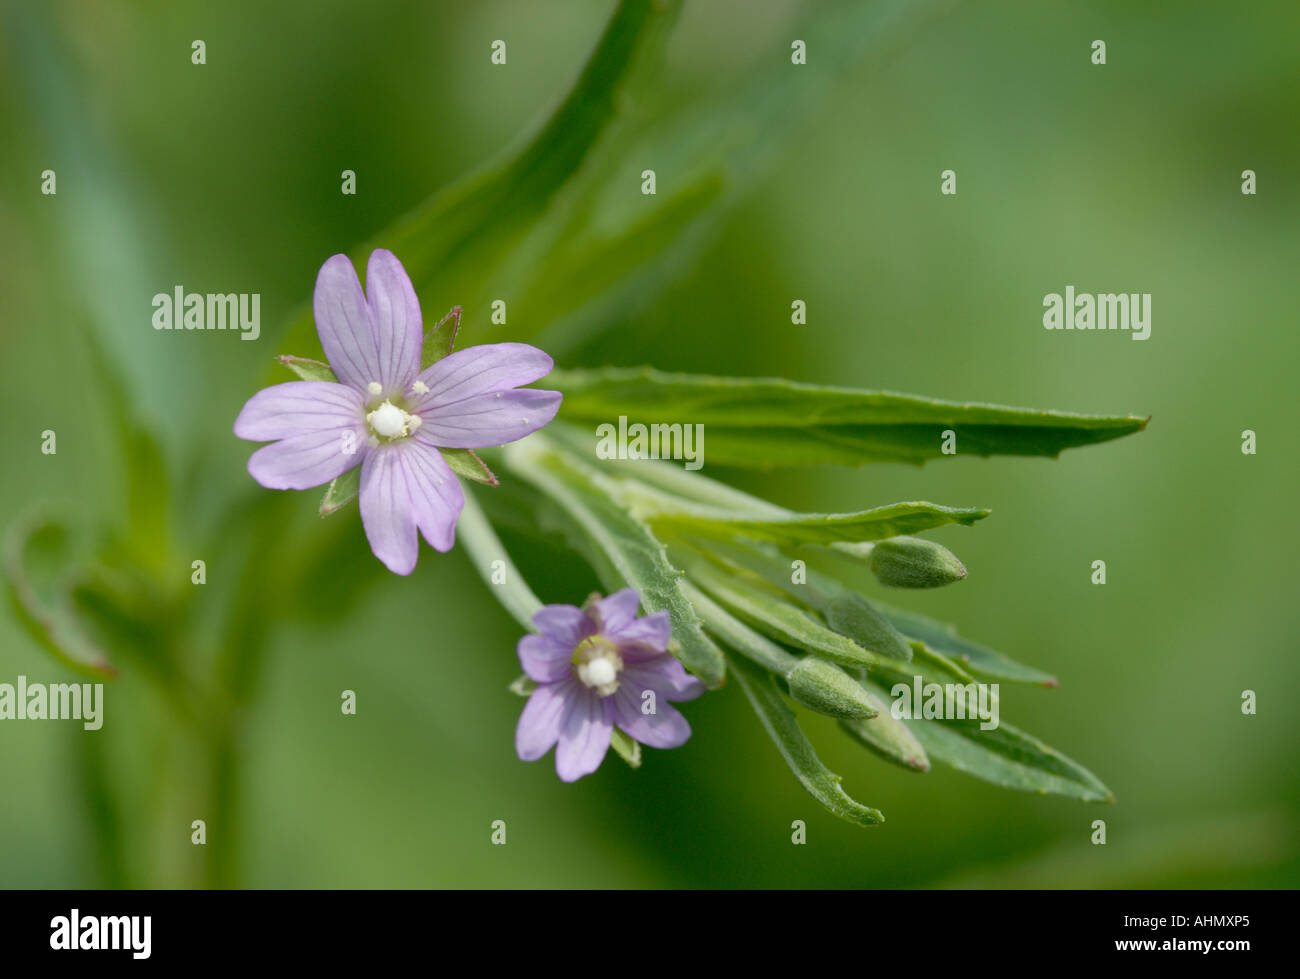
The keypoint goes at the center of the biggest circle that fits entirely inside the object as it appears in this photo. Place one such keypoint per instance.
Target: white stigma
(598, 664)
(375, 388)
(391, 422)
(600, 672)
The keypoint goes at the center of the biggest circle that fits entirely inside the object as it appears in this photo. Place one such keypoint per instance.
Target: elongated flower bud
(853, 616)
(910, 562)
(825, 688)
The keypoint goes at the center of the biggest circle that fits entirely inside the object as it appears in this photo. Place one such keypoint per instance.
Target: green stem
(485, 550)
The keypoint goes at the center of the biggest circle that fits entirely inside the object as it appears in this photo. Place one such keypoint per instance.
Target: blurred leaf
(620, 547)
(769, 423)
(783, 728)
(1008, 757)
(35, 559)
(708, 154)
(452, 244)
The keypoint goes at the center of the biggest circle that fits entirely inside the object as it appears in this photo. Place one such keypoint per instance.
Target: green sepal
(308, 370)
(627, 747)
(465, 462)
(342, 491)
(441, 340)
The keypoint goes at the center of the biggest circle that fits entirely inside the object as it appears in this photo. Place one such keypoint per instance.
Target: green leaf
(620, 547)
(342, 491)
(627, 747)
(766, 611)
(769, 423)
(441, 340)
(308, 370)
(465, 462)
(34, 547)
(783, 728)
(886, 735)
(456, 243)
(982, 662)
(818, 528)
(1008, 757)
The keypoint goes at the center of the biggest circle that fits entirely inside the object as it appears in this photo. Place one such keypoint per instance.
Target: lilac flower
(387, 415)
(595, 667)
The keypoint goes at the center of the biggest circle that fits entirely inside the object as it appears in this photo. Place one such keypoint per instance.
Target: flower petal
(395, 312)
(405, 486)
(345, 324)
(584, 733)
(544, 659)
(300, 407)
(306, 460)
(667, 677)
(484, 369)
(489, 419)
(617, 611)
(539, 724)
(665, 728)
(566, 624)
(643, 639)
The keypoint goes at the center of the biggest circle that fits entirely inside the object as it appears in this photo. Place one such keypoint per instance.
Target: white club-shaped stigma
(597, 663)
(391, 422)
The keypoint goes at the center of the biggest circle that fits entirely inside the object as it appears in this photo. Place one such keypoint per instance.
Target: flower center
(598, 664)
(391, 422)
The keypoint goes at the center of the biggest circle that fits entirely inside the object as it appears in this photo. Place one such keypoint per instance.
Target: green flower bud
(825, 688)
(853, 616)
(909, 562)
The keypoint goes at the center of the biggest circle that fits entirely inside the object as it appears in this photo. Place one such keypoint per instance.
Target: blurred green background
(1125, 177)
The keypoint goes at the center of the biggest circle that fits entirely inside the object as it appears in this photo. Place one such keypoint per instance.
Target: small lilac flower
(387, 415)
(594, 667)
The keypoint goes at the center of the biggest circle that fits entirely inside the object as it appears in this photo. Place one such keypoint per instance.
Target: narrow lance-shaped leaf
(886, 735)
(979, 660)
(783, 728)
(766, 612)
(622, 547)
(1008, 757)
(820, 528)
(770, 422)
